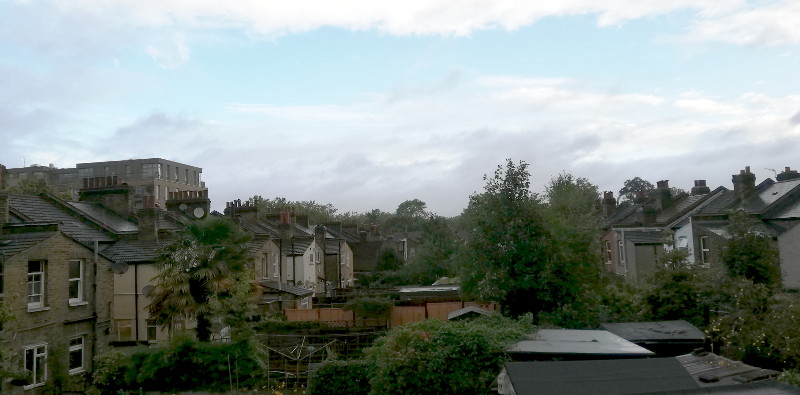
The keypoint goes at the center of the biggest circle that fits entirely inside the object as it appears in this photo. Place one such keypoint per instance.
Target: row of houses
(635, 235)
(76, 274)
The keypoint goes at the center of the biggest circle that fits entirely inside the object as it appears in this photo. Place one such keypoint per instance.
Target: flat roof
(664, 331)
(577, 342)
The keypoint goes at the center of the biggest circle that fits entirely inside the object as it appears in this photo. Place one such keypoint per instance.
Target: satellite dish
(199, 212)
(119, 267)
(147, 289)
(183, 207)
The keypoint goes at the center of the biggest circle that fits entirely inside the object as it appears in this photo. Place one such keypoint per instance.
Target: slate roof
(105, 217)
(134, 251)
(644, 237)
(622, 216)
(37, 209)
(719, 204)
(789, 212)
(15, 243)
(296, 246)
(763, 198)
(291, 289)
(678, 207)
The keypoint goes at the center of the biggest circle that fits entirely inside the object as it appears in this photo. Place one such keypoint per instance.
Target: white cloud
(171, 52)
(768, 24)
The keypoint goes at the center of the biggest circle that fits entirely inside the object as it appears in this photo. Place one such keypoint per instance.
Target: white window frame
(79, 347)
(39, 355)
(151, 325)
(36, 277)
(609, 253)
(275, 265)
(79, 280)
(704, 250)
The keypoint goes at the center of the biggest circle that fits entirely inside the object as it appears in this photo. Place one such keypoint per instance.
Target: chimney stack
(117, 198)
(4, 216)
(148, 221)
(3, 177)
(609, 203)
(664, 195)
(787, 174)
(700, 188)
(640, 196)
(246, 211)
(744, 183)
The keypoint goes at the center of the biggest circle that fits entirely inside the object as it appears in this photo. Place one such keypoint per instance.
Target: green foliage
(341, 378)
(442, 357)
(317, 213)
(630, 187)
(680, 292)
(35, 186)
(388, 259)
(108, 375)
(369, 307)
(190, 366)
(200, 275)
(409, 216)
(748, 253)
(531, 256)
(434, 254)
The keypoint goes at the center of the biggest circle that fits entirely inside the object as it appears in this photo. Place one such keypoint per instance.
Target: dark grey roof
(622, 216)
(788, 212)
(38, 209)
(679, 207)
(291, 289)
(618, 376)
(467, 312)
(15, 243)
(644, 237)
(105, 217)
(678, 330)
(134, 251)
(256, 243)
(295, 246)
(719, 203)
(763, 198)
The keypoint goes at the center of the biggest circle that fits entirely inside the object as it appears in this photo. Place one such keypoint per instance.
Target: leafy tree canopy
(748, 252)
(630, 187)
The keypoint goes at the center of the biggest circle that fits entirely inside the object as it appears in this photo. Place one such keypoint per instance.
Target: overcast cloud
(365, 105)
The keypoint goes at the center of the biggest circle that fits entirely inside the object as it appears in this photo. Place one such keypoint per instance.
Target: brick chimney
(639, 196)
(664, 199)
(787, 174)
(744, 183)
(650, 213)
(4, 216)
(105, 191)
(147, 219)
(246, 211)
(3, 177)
(609, 203)
(700, 188)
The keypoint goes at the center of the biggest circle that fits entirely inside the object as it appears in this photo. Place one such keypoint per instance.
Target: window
(608, 252)
(152, 331)
(151, 170)
(177, 170)
(275, 265)
(704, 250)
(317, 254)
(75, 281)
(620, 252)
(186, 178)
(35, 285)
(124, 330)
(36, 363)
(128, 170)
(264, 267)
(683, 243)
(76, 355)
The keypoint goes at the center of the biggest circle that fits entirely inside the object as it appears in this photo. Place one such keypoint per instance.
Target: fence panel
(302, 315)
(406, 314)
(439, 311)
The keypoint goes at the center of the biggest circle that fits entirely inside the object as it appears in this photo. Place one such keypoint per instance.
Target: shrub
(368, 307)
(443, 357)
(341, 378)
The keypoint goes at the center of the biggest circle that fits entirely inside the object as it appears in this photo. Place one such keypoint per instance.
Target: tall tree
(317, 213)
(630, 188)
(434, 254)
(199, 270)
(510, 256)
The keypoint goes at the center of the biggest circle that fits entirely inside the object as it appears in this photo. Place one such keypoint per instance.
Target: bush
(109, 371)
(368, 307)
(341, 377)
(443, 357)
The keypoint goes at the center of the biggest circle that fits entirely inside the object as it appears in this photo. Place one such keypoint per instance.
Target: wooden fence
(399, 315)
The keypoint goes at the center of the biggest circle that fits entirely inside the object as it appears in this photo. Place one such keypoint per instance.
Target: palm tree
(198, 268)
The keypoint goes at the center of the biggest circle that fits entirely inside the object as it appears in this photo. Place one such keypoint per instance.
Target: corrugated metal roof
(678, 330)
(40, 210)
(577, 342)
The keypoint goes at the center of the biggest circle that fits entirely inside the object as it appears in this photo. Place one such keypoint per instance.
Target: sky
(366, 104)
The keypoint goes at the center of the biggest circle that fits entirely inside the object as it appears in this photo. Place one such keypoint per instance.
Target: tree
(748, 253)
(35, 186)
(630, 188)
(509, 257)
(317, 213)
(434, 254)
(199, 270)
